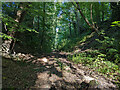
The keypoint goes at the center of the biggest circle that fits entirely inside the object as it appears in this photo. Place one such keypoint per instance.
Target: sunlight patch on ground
(44, 59)
(87, 79)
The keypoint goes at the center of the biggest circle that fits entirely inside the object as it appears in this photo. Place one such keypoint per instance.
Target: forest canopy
(66, 21)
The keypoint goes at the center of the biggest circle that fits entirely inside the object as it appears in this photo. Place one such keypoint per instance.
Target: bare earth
(53, 71)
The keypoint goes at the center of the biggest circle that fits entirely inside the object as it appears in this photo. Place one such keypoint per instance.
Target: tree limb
(86, 20)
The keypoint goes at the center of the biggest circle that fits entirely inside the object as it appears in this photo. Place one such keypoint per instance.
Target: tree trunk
(86, 20)
(97, 12)
(13, 33)
(115, 11)
(74, 25)
(77, 22)
(102, 12)
(20, 16)
(42, 36)
(70, 24)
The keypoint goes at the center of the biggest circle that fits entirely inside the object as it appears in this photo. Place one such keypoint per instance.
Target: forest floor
(50, 71)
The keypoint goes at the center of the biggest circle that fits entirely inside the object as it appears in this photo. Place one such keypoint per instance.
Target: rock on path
(57, 73)
(71, 76)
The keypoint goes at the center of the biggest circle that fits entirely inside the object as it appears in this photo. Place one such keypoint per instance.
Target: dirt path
(53, 71)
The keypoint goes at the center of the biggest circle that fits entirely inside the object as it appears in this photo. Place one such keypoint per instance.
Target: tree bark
(19, 18)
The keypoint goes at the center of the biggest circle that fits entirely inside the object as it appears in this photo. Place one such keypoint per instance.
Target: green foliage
(97, 61)
(4, 36)
(105, 60)
(69, 44)
(116, 23)
(108, 46)
(34, 33)
(82, 58)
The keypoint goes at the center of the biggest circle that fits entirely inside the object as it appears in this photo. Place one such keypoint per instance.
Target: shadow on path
(54, 73)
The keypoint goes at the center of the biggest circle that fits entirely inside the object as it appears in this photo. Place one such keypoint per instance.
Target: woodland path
(54, 71)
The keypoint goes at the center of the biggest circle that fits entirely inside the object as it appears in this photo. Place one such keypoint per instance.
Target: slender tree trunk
(42, 36)
(20, 16)
(38, 24)
(97, 12)
(74, 25)
(102, 16)
(15, 33)
(91, 15)
(115, 6)
(70, 24)
(38, 29)
(77, 23)
(33, 23)
(86, 20)
(102, 12)
(70, 29)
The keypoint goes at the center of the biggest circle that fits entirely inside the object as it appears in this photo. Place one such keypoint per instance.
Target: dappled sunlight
(60, 71)
(60, 46)
(44, 59)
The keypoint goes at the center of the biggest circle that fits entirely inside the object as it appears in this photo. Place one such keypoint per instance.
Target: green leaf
(6, 23)
(113, 25)
(116, 23)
